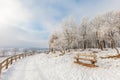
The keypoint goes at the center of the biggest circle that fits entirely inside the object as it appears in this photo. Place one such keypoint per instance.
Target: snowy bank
(55, 67)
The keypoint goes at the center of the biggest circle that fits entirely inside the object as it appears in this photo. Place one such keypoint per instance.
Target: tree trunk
(85, 44)
(100, 45)
(97, 44)
(113, 45)
(117, 51)
(104, 44)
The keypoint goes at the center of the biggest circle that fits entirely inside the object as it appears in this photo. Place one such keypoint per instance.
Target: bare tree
(15, 50)
(4, 52)
(25, 50)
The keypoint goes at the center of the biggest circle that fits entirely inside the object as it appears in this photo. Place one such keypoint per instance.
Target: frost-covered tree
(25, 50)
(33, 51)
(15, 50)
(69, 31)
(84, 28)
(53, 42)
(4, 52)
(103, 31)
(57, 42)
(113, 24)
(98, 29)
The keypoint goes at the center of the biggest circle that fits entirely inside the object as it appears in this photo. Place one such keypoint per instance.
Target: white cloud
(12, 12)
(16, 17)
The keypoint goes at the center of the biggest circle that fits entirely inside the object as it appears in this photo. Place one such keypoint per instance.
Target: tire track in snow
(40, 75)
(32, 71)
(43, 75)
(22, 74)
(28, 69)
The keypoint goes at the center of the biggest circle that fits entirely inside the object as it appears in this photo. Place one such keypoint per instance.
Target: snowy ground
(54, 67)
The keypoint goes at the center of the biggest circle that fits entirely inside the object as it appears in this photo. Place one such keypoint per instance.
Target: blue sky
(29, 23)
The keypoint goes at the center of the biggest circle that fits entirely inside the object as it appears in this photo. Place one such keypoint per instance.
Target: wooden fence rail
(82, 58)
(5, 64)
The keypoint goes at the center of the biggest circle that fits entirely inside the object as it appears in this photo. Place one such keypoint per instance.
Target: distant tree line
(4, 52)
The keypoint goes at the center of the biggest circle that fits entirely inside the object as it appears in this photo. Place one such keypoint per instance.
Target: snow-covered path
(47, 67)
(26, 69)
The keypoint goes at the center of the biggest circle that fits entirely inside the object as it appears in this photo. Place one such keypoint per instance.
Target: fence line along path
(8, 61)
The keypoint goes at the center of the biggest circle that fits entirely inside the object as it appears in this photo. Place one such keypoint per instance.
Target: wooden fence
(5, 64)
(82, 58)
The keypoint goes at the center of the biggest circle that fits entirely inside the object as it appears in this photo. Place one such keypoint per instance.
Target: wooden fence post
(11, 60)
(19, 57)
(7, 63)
